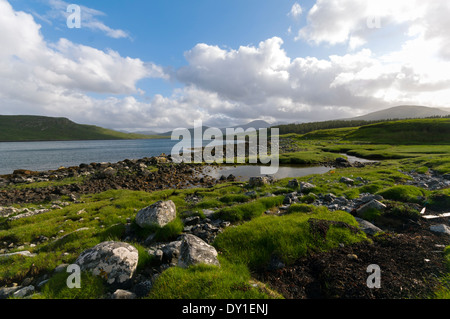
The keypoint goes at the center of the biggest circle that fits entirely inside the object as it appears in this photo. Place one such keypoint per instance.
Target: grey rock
(206, 231)
(26, 213)
(293, 183)
(251, 194)
(346, 180)
(333, 207)
(368, 227)
(60, 268)
(329, 197)
(116, 262)
(190, 221)
(305, 186)
(171, 252)
(6, 292)
(23, 292)
(208, 213)
(123, 294)
(159, 214)
(42, 283)
(342, 201)
(195, 251)
(25, 253)
(441, 228)
(373, 204)
(8, 211)
(258, 181)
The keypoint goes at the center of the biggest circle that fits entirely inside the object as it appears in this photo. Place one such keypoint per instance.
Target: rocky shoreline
(147, 174)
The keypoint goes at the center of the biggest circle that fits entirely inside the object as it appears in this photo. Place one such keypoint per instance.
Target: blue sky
(162, 64)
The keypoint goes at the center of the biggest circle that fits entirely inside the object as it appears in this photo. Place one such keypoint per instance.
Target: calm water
(41, 156)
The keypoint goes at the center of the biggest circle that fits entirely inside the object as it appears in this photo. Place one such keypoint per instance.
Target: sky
(164, 64)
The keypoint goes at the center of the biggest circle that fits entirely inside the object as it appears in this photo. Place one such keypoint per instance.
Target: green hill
(41, 128)
(423, 131)
(403, 132)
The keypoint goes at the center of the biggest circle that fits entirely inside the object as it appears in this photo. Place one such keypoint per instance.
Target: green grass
(230, 281)
(287, 237)
(247, 211)
(401, 132)
(309, 157)
(169, 232)
(404, 193)
(423, 131)
(439, 199)
(444, 291)
(56, 288)
(104, 215)
(234, 198)
(329, 134)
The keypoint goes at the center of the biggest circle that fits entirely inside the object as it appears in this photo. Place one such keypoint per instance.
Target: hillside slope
(403, 112)
(422, 131)
(402, 132)
(41, 128)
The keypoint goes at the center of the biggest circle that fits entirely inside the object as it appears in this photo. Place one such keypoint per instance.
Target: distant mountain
(402, 112)
(149, 133)
(41, 128)
(254, 124)
(258, 124)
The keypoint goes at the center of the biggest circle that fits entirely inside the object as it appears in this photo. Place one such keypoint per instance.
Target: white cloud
(267, 81)
(296, 11)
(38, 77)
(353, 22)
(89, 18)
(226, 86)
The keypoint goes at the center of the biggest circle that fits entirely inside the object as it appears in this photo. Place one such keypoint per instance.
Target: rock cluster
(116, 262)
(430, 180)
(147, 174)
(259, 181)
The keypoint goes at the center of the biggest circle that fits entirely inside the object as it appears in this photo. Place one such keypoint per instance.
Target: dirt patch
(411, 264)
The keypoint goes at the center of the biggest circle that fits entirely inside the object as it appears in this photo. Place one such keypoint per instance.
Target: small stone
(367, 227)
(373, 204)
(352, 256)
(123, 294)
(304, 186)
(441, 228)
(346, 180)
(60, 268)
(23, 292)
